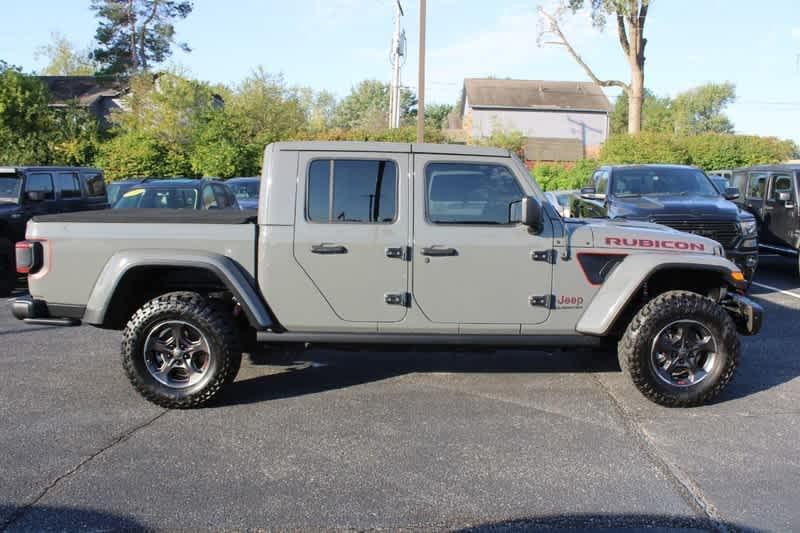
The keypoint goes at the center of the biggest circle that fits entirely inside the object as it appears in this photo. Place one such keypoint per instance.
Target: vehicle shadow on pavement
(45, 517)
(319, 370)
(608, 522)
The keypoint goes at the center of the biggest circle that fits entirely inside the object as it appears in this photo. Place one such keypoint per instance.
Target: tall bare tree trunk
(636, 99)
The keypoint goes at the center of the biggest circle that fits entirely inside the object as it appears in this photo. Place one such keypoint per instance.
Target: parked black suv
(29, 191)
(770, 193)
(680, 197)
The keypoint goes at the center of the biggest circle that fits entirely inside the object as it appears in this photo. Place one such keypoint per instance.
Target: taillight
(29, 255)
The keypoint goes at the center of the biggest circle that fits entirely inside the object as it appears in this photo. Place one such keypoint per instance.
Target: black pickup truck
(770, 193)
(26, 192)
(678, 196)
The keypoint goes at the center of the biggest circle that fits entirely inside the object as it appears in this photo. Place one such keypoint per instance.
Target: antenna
(397, 60)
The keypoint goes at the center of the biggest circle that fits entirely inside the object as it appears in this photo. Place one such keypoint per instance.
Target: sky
(333, 44)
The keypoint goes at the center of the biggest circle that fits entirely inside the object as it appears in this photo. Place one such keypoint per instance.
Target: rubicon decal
(621, 242)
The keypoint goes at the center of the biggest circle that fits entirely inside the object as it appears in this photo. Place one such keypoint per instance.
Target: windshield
(244, 190)
(641, 181)
(115, 190)
(9, 187)
(183, 198)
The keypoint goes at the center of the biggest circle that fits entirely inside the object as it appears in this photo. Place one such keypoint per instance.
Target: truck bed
(155, 216)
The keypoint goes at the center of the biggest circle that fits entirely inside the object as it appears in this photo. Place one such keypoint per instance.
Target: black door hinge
(398, 298)
(548, 256)
(400, 252)
(545, 301)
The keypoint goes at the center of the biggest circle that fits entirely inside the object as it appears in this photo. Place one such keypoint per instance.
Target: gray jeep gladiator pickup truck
(374, 243)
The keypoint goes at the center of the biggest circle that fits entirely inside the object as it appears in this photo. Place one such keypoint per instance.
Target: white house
(563, 120)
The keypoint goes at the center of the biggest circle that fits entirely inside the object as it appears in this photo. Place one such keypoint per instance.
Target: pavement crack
(23, 509)
(686, 487)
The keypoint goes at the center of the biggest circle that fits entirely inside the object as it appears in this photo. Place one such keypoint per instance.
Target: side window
(755, 189)
(40, 183)
(350, 190)
(739, 181)
(209, 198)
(459, 193)
(781, 183)
(222, 196)
(601, 183)
(68, 185)
(95, 186)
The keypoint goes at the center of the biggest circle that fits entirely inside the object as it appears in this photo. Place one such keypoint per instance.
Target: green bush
(560, 176)
(137, 154)
(708, 151)
(646, 147)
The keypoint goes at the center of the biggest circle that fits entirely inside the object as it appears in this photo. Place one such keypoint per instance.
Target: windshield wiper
(628, 195)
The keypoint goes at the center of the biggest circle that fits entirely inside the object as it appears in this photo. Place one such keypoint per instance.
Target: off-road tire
(8, 273)
(205, 315)
(634, 349)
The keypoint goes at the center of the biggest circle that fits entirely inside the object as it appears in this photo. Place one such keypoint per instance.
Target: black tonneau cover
(155, 216)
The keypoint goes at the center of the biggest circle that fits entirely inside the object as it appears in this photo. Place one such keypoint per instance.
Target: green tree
(436, 115)
(630, 17)
(319, 106)
(701, 110)
(367, 106)
(657, 114)
(25, 120)
(222, 150)
(63, 59)
(76, 136)
(132, 35)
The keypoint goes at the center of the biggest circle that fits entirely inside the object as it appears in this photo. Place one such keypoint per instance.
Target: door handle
(439, 252)
(328, 249)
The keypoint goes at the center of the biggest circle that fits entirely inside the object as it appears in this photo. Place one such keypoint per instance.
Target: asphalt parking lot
(511, 439)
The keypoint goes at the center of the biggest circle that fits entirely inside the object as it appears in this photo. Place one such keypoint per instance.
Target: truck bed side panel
(75, 253)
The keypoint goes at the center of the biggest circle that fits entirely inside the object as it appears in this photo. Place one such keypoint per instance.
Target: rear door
(471, 266)
(352, 232)
(781, 222)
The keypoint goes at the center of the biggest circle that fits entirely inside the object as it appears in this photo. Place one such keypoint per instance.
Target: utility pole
(398, 54)
(421, 77)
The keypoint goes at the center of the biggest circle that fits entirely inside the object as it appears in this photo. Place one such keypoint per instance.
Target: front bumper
(746, 314)
(32, 311)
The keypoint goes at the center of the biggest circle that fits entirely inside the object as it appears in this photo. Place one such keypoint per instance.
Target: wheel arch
(652, 274)
(130, 278)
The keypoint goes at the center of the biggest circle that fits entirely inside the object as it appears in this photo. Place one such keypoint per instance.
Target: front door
(754, 200)
(781, 221)
(471, 266)
(352, 232)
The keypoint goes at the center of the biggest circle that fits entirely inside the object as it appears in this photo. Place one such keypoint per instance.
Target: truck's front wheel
(681, 349)
(179, 349)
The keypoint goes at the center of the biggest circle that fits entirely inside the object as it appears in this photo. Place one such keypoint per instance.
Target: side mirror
(784, 196)
(528, 214)
(731, 193)
(35, 196)
(590, 193)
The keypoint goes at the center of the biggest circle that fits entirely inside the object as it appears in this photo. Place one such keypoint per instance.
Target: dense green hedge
(561, 177)
(708, 151)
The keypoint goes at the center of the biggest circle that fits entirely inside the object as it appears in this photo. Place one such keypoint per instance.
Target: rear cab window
(352, 191)
(95, 184)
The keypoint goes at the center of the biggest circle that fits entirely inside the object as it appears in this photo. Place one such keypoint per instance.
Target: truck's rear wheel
(179, 349)
(681, 349)
(8, 273)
